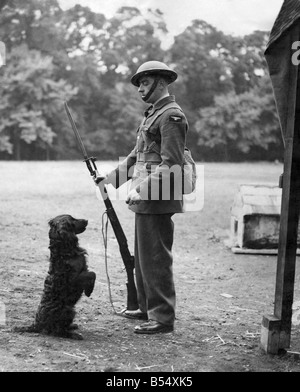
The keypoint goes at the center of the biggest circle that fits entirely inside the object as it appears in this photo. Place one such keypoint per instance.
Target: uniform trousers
(154, 266)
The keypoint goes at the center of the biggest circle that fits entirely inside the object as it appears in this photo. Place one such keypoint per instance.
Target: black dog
(68, 277)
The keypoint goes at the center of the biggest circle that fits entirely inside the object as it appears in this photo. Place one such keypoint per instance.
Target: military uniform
(159, 147)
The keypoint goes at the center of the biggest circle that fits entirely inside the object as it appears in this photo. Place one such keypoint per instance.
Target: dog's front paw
(75, 336)
(90, 284)
(69, 334)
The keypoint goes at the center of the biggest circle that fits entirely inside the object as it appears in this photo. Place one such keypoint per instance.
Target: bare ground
(213, 332)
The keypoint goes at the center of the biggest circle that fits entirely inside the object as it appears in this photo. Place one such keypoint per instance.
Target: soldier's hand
(99, 179)
(133, 197)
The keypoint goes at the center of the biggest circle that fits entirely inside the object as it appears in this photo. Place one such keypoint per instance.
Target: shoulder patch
(174, 118)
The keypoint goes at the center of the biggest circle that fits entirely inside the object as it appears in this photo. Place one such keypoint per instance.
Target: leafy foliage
(30, 100)
(239, 122)
(87, 59)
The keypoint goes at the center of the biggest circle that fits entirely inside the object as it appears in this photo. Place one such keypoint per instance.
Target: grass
(34, 192)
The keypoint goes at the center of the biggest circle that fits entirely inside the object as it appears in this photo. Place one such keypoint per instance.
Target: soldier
(154, 163)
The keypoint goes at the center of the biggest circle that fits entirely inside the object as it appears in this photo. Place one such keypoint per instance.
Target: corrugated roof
(288, 15)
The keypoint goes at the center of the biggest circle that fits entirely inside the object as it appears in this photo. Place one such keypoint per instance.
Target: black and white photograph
(149, 188)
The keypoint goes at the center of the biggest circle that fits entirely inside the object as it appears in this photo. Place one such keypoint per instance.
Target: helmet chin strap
(153, 87)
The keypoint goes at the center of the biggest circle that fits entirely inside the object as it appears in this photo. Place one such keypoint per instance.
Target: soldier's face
(144, 87)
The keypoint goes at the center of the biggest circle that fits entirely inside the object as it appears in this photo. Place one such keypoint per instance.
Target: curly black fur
(68, 277)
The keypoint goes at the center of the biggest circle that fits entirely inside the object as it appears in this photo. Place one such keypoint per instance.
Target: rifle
(128, 259)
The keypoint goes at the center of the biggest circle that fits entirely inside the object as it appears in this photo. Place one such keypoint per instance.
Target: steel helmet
(154, 68)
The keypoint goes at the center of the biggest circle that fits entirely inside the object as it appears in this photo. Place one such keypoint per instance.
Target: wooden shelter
(255, 218)
(284, 74)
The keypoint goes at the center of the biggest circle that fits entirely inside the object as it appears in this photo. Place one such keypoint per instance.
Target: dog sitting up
(68, 277)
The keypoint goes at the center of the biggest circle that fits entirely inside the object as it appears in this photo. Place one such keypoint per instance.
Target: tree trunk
(16, 146)
(17, 150)
(226, 153)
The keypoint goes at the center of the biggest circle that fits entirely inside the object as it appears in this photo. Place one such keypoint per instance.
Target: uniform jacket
(155, 162)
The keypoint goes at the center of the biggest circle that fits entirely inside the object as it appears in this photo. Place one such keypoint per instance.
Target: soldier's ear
(161, 84)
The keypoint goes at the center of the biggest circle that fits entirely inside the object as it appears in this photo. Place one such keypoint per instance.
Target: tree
(50, 51)
(30, 100)
(203, 74)
(125, 111)
(246, 62)
(22, 22)
(129, 39)
(238, 123)
(3, 3)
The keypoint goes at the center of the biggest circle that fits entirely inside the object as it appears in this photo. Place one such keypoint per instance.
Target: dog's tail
(26, 328)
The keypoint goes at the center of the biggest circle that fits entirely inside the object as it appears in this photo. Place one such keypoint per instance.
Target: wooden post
(276, 328)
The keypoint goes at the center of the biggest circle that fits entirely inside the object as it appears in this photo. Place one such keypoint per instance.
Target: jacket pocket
(154, 134)
(151, 138)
